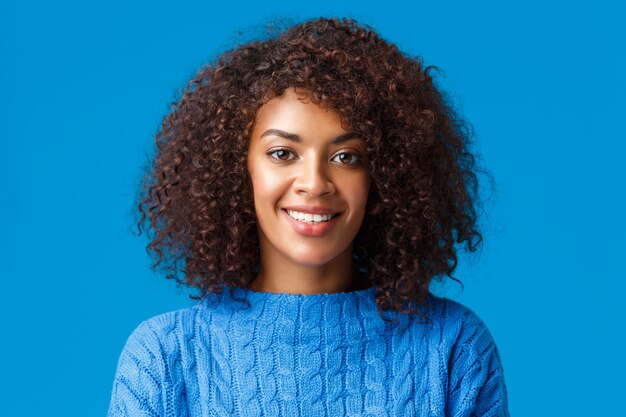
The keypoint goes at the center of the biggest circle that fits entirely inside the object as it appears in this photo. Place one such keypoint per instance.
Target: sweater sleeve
(139, 386)
(476, 385)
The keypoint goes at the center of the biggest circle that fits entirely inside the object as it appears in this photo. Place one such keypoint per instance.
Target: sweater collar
(349, 304)
(346, 296)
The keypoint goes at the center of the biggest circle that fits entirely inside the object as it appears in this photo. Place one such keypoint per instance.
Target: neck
(281, 276)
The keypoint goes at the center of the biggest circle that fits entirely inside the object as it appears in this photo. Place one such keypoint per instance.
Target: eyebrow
(295, 138)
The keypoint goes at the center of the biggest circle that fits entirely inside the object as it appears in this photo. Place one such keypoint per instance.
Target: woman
(311, 186)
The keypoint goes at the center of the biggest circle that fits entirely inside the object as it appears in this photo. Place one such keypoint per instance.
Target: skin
(313, 172)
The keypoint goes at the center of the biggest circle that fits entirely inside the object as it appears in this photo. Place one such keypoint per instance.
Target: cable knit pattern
(309, 355)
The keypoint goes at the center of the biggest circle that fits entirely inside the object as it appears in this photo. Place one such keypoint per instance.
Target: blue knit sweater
(309, 355)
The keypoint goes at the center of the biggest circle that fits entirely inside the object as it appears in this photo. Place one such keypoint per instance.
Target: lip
(311, 230)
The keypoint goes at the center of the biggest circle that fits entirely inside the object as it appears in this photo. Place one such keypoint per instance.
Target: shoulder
(153, 343)
(449, 311)
(458, 325)
(162, 332)
(149, 368)
(476, 383)
(461, 331)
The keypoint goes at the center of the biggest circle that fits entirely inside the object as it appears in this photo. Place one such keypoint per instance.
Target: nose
(313, 179)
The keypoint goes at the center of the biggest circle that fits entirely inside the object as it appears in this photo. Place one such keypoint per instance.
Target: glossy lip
(311, 230)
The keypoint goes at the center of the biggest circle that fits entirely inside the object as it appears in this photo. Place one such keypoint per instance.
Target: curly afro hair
(197, 197)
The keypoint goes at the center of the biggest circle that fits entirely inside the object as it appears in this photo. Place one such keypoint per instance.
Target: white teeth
(308, 217)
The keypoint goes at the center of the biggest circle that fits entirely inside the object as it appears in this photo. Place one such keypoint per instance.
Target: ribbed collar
(329, 308)
(351, 303)
(348, 296)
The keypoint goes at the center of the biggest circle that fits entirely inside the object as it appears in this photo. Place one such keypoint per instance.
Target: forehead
(295, 112)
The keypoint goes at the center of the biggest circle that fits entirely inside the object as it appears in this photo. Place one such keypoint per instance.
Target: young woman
(310, 186)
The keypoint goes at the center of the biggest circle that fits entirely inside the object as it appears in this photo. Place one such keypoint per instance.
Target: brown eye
(281, 154)
(346, 158)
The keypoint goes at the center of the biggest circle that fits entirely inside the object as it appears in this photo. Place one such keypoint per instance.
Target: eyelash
(357, 158)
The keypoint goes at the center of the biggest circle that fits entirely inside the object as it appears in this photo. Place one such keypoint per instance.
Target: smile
(309, 218)
(311, 228)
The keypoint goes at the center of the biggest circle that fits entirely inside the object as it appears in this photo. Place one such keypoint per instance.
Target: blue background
(84, 86)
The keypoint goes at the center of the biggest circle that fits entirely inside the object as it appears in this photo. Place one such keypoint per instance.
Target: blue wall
(83, 86)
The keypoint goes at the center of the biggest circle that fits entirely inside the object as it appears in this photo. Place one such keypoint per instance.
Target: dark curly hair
(423, 197)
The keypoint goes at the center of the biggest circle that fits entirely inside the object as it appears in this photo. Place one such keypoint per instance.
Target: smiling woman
(311, 186)
(304, 165)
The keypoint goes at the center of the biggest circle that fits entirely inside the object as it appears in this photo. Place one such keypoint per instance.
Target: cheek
(268, 188)
(357, 193)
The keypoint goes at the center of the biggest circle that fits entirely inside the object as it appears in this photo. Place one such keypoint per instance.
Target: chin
(313, 257)
(312, 260)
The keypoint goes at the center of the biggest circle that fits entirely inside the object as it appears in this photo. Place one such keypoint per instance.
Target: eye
(281, 154)
(347, 158)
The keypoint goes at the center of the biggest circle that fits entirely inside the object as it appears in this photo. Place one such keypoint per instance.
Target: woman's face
(310, 181)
